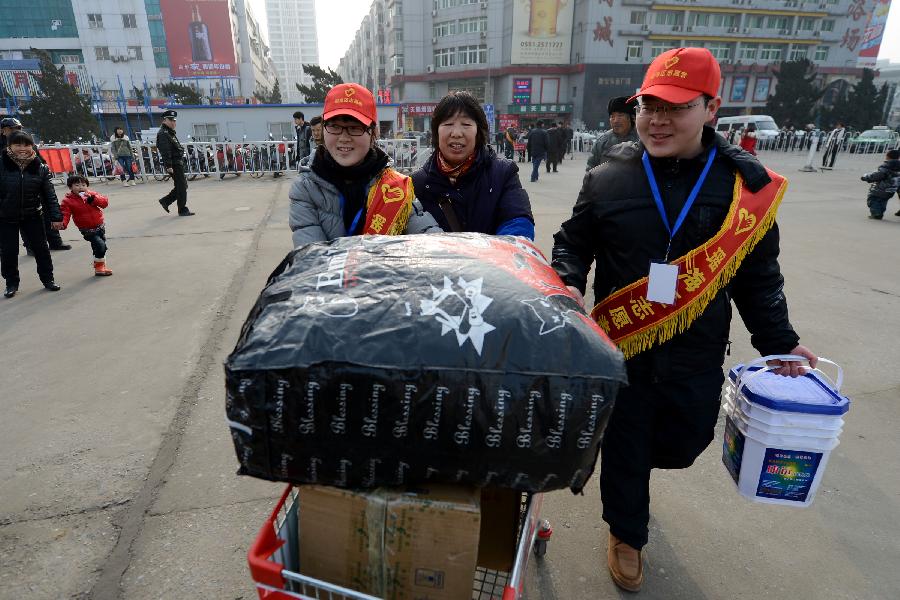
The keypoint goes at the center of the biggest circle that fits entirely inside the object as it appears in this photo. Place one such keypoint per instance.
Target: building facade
(292, 33)
(120, 52)
(543, 58)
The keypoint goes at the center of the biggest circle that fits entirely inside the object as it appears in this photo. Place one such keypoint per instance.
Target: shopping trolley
(274, 558)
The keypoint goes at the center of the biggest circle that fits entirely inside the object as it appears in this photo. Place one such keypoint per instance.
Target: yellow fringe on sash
(679, 322)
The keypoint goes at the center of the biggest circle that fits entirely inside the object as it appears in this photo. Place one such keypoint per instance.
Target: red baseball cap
(350, 99)
(681, 74)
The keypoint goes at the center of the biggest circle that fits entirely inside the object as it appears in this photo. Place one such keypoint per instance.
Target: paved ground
(117, 470)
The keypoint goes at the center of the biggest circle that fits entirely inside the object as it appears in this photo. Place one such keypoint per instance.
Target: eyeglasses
(649, 110)
(354, 130)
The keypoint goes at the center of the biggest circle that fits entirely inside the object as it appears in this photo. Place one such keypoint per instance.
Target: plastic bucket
(779, 431)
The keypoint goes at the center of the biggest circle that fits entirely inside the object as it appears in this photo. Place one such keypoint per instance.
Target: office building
(292, 34)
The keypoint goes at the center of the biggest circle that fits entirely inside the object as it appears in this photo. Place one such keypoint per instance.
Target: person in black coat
(464, 184)
(171, 153)
(26, 192)
(538, 146)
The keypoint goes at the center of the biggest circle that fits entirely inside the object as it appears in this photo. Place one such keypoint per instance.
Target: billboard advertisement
(199, 38)
(874, 31)
(542, 32)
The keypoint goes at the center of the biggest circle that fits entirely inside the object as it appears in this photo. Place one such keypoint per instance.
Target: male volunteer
(621, 122)
(674, 241)
(172, 153)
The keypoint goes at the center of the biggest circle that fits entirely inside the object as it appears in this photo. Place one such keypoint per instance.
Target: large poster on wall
(199, 38)
(873, 33)
(542, 32)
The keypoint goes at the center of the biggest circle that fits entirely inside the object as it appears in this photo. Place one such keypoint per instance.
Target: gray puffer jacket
(316, 211)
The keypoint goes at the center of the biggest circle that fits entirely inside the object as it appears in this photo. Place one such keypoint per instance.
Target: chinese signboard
(521, 91)
(507, 121)
(420, 109)
(521, 109)
(542, 32)
(199, 38)
(872, 34)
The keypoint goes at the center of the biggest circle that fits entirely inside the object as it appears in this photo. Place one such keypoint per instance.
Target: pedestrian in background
(316, 137)
(555, 140)
(885, 182)
(85, 206)
(621, 122)
(26, 194)
(538, 144)
(748, 139)
(303, 133)
(664, 294)
(464, 184)
(120, 148)
(172, 154)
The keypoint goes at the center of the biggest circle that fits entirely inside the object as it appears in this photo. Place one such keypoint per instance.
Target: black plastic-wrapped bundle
(377, 360)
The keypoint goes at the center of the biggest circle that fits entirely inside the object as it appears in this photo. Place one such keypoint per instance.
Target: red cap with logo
(681, 74)
(352, 100)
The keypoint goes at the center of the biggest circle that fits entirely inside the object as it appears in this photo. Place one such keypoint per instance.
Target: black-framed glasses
(649, 110)
(354, 130)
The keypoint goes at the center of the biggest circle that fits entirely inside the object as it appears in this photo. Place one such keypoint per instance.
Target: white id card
(662, 282)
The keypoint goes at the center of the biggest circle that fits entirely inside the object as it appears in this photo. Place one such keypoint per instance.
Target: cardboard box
(396, 544)
(501, 512)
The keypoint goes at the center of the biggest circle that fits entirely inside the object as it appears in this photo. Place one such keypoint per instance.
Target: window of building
(475, 25)
(798, 53)
(755, 21)
(828, 25)
(724, 20)
(161, 58)
(445, 57)
(69, 58)
(281, 131)
(209, 132)
(129, 21)
(720, 51)
(472, 55)
(397, 62)
(444, 29)
(95, 21)
(668, 17)
(635, 49)
(464, 2)
(821, 53)
(444, 4)
(806, 24)
(699, 20)
(135, 52)
(658, 47)
(748, 52)
(778, 23)
(638, 17)
(101, 52)
(769, 52)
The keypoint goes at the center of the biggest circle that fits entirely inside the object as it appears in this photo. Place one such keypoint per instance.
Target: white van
(765, 125)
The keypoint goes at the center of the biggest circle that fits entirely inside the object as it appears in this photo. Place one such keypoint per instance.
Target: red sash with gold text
(636, 324)
(389, 204)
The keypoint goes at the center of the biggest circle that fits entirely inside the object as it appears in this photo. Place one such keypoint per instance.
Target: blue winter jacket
(488, 198)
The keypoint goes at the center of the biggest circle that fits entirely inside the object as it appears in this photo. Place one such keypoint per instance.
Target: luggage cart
(274, 558)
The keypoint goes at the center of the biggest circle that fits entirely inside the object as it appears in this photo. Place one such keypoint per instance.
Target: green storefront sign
(521, 109)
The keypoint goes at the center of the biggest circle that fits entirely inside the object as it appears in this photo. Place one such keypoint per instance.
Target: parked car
(765, 125)
(877, 139)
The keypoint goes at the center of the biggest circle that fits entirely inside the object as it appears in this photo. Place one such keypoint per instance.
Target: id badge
(662, 282)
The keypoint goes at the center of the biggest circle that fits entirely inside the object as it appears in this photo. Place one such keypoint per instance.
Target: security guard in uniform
(172, 154)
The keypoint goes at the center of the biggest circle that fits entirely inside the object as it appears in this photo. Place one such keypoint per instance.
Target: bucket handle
(740, 381)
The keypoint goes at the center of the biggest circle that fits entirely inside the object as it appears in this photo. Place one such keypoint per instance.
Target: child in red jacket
(84, 207)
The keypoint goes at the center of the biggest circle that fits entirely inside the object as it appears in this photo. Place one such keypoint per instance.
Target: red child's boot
(100, 269)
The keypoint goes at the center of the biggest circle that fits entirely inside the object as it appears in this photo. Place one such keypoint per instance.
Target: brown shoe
(626, 565)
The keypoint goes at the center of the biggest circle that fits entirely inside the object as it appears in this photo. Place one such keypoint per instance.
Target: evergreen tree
(266, 97)
(323, 80)
(863, 107)
(56, 111)
(796, 93)
(183, 94)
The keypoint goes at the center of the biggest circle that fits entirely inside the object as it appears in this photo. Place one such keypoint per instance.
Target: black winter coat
(488, 195)
(26, 194)
(615, 222)
(885, 180)
(538, 142)
(170, 149)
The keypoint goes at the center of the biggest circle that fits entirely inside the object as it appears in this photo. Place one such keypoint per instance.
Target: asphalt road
(117, 471)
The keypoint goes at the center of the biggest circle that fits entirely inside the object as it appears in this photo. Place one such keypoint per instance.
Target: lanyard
(651, 179)
(355, 219)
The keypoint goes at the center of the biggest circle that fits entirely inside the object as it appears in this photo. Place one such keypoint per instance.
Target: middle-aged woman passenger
(26, 192)
(464, 184)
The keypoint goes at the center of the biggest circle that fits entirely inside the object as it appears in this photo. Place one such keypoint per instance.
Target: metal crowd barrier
(791, 142)
(206, 159)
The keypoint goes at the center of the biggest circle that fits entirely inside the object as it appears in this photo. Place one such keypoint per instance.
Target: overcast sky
(339, 20)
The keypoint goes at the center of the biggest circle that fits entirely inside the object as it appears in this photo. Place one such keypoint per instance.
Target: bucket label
(787, 474)
(732, 448)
